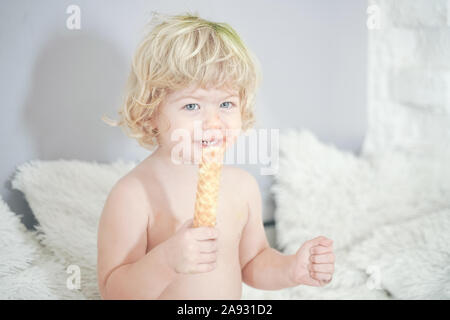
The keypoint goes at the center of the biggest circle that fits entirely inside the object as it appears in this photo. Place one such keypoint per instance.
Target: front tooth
(210, 142)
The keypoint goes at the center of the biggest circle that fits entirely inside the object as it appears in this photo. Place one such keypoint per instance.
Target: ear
(149, 125)
(152, 122)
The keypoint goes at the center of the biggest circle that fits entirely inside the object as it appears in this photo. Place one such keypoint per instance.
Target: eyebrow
(199, 98)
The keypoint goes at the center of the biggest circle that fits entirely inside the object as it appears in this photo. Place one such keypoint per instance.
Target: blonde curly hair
(178, 51)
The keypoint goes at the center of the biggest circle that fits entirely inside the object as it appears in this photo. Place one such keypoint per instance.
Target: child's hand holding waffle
(192, 250)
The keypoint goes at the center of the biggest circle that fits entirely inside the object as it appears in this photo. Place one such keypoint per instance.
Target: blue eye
(192, 106)
(187, 107)
(231, 104)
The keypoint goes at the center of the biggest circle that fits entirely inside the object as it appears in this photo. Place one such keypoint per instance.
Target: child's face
(198, 114)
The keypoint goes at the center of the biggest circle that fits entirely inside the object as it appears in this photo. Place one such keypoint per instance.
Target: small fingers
(321, 240)
(326, 268)
(326, 242)
(322, 258)
(205, 233)
(208, 246)
(321, 249)
(316, 240)
(320, 276)
(207, 258)
(206, 267)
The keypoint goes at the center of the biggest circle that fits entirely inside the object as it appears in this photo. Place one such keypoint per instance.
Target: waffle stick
(210, 169)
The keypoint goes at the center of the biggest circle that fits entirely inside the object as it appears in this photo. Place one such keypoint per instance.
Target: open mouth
(212, 142)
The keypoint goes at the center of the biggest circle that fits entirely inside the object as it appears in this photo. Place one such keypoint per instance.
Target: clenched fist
(192, 250)
(314, 263)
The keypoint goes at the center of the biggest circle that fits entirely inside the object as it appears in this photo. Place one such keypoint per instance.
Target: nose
(212, 121)
(213, 126)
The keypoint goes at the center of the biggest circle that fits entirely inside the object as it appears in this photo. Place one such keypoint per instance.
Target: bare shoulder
(235, 172)
(129, 192)
(241, 179)
(127, 185)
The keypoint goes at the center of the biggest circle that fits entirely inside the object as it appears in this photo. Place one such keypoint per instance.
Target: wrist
(291, 271)
(163, 252)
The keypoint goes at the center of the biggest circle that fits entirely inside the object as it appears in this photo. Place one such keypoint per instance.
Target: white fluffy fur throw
(67, 198)
(365, 204)
(28, 270)
(388, 214)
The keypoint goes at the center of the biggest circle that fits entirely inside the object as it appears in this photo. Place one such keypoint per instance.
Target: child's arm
(262, 266)
(266, 268)
(125, 271)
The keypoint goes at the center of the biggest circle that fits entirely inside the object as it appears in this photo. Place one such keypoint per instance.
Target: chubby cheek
(232, 136)
(234, 129)
(178, 129)
(170, 137)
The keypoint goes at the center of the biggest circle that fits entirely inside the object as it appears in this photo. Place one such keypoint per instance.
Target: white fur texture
(321, 190)
(411, 260)
(28, 270)
(67, 198)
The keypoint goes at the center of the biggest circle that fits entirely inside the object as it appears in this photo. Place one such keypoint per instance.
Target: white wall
(56, 83)
(409, 77)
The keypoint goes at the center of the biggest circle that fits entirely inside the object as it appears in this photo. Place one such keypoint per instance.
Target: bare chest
(173, 204)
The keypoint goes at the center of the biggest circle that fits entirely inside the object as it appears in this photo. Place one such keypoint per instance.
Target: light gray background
(56, 83)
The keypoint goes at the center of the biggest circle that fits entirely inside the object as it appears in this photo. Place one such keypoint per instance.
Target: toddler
(191, 75)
